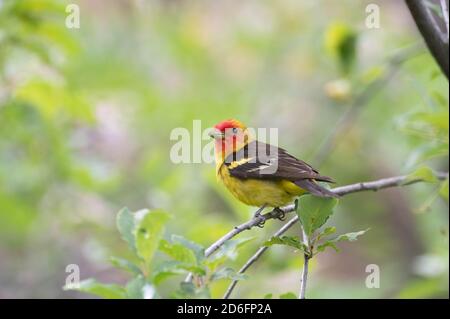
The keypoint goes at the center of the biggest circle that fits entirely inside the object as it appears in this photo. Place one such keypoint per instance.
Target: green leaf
(215, 261)
(423, 173)
(426, 152)
(178, 252)
(149, 231)
(268, 296)
(125, 225)
(288, 295)
(173, 267)
(139, 288)
(287, 241)
(228, 273)
(326, 232)
(167, 269)
(198, 250)
(106, 291)
(436, 120)
(344, 237)
(350, 236)
(314, 211)
(125, 265)
(328, 243)
(159, 277)
(189, 290)
(430, 126)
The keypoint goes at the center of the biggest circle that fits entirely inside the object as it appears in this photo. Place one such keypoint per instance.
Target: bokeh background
(86, 114)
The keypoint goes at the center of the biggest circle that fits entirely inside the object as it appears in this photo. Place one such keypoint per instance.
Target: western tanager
(260, 174)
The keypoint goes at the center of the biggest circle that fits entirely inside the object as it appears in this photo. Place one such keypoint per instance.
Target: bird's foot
(258, 214)
(261, 224)
(281, 213)
(259, 211)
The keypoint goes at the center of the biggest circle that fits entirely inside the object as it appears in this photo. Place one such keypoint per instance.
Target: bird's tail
(312, 187)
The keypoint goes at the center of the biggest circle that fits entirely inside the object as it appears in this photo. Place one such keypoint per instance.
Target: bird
(260, 174)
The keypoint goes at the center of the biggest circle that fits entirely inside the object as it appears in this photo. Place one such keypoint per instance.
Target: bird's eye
(235, 130)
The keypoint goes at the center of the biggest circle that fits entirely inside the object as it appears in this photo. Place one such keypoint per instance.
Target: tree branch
(445, 15)
(436, 42)
(306, 258)
(255, 221)
(343, 190)
(395, 181)
(258, 254)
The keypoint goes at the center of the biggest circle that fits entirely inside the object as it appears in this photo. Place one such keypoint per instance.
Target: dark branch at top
(436, 40)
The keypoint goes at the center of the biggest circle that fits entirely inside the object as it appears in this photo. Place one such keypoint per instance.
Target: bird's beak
(216, 134)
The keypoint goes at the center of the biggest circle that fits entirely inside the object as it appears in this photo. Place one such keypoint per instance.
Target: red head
(230, 135)
(229, 124)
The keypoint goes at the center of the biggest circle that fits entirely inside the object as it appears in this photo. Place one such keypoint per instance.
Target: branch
(304, 277)
(395, 181)
(255, 221)
(306, 258)
(436, 41)
(258, 254)
(343, 190)
(445, 15)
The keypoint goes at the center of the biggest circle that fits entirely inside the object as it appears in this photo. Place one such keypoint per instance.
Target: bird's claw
(258, 212)
(261, 223)
(281, 214)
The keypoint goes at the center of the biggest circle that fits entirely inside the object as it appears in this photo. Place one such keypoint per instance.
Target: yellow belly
(256, 192)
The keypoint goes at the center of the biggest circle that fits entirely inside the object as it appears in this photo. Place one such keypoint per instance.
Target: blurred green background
(86, 114)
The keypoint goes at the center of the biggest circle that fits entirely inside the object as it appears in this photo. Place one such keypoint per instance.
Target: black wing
(263, 161)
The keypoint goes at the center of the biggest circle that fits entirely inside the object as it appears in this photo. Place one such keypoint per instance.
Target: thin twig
(255, 221)
(258, 253)
(304, 276)
(306, 258)
(402, 180)
(342, 191)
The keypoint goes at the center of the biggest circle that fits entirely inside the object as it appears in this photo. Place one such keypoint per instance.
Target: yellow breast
(255, 192)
